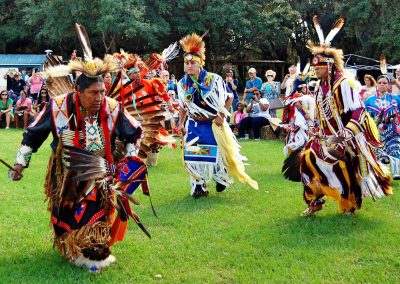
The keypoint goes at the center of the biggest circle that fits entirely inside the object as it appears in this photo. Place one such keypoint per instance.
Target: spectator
(25, 77)
(107, 81)
(172, 95)
(271, 89)
(259, 116)
(44, 85)
(231, 87)
(18, 84)
(36, 84)
(287, 82)
(395, 82)
(369, 89)
(171, 82)
(384, 108)
(173, 79)
(253, 86)
(23, 110)
(6, 105)
(151, 74)
(28, 82)
(9, 76)
(42, 100)
(74, 55)
(238, 116)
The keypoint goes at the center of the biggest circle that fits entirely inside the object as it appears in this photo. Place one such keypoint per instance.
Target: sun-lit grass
(238, 236)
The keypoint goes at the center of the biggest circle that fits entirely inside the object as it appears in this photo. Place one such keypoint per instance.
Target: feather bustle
(291, 166)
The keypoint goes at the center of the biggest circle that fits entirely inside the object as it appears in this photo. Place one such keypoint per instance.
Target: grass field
(238, 236)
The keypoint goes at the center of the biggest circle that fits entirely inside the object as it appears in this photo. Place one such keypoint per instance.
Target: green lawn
(238, 236)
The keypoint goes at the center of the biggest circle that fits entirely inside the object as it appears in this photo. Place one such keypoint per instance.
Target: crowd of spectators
(19, 101)
(26, 95)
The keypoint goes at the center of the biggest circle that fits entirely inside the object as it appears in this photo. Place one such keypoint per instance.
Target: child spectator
(238, 115)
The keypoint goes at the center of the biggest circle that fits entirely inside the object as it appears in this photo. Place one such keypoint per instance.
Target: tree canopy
(238, 30)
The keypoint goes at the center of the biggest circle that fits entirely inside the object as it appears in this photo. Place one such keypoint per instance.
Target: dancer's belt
(202, 118)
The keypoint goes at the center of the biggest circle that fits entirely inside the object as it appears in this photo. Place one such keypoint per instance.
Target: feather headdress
(323, 51)
(88, 66)
(127, 60)
(194, 45)
(305, 70)
(302, 78)
(155, 61)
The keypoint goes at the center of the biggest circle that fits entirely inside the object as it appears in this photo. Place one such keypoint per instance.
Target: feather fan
(170, 52)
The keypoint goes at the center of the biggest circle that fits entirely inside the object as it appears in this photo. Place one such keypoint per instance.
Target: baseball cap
(252, 70)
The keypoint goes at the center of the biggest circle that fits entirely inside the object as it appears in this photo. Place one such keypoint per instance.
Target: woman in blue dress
(384, 108)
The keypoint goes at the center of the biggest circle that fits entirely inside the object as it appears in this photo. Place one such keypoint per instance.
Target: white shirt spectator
(258, 112)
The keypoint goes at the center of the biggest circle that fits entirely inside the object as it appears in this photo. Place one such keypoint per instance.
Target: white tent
(394, 66)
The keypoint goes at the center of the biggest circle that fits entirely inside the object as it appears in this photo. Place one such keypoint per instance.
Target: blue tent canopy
(22, 60)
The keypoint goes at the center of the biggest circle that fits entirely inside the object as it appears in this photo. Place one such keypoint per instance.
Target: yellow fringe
(230, 154)
(345, 204)
(70, 244)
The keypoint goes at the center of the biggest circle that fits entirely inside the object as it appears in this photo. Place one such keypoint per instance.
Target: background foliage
(239, 30)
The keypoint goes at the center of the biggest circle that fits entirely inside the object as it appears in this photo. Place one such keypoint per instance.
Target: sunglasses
(270, 75)
(4, 94)
(43, 92)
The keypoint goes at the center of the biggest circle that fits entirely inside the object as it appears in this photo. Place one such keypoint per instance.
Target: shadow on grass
(39, 267)
(322, 230)
(186, 204)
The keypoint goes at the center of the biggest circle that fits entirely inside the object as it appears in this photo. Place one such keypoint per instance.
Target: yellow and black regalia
(338, 161)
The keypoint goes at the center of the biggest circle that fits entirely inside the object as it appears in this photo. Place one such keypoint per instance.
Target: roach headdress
(194, 47)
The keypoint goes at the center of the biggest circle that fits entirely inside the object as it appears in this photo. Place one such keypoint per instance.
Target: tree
(238, 30)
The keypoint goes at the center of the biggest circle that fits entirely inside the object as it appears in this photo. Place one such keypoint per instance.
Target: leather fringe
(70, 245)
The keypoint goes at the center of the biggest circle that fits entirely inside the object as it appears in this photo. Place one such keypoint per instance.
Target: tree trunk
(109, 44)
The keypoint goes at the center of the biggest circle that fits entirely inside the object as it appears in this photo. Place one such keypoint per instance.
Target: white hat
(252, 70)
